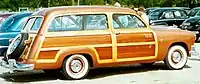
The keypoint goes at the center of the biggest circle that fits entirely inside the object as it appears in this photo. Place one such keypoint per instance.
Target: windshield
(12, 24)
(193, 12)
(198, 13)
(7, 23)
(18, 24)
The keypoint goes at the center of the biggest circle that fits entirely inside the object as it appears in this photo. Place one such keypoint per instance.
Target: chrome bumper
(14, 66)
(3, 47)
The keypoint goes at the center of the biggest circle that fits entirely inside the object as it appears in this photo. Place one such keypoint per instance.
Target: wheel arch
(181, 44)
(86, 52)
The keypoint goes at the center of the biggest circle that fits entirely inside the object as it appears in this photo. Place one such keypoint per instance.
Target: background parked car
(10, 28)
(192, 24)
(169, 16)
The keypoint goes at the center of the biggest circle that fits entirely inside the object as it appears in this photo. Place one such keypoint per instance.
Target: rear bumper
(14, 66)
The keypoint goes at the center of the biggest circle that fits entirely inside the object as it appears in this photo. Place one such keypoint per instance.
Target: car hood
(191, 20)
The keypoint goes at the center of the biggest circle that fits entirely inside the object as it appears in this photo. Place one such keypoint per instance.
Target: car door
(133, 39)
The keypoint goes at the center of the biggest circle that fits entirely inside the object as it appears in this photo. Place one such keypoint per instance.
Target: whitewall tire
(176, 58)
(75, 67)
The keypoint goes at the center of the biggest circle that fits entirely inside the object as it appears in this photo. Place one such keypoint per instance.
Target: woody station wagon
(75, 39)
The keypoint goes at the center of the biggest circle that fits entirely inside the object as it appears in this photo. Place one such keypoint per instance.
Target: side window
(29, 23)
(180, 14)
(36, 24)
(78, 22)
(177, 14)
(66, 23)
(95, 22)
(127, 21)
(168, 15)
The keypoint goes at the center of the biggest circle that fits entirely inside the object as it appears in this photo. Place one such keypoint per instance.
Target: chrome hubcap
(176, 56)
(76, 66)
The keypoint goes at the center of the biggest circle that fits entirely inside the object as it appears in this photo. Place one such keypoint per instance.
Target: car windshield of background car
(8, 22)
(198, 13)
(18, 24)
(193, 12)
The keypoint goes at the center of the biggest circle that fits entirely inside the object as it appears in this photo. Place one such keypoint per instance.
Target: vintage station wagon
(75, 39)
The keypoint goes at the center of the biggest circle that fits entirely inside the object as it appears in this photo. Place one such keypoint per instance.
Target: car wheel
(17, 46)
(75, 67)
(176, 57)
(147, 64)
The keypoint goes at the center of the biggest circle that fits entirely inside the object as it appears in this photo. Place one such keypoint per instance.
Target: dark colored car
(10, 28)
(194, 12)
(192, 24)
(4, 16)
(167, 16)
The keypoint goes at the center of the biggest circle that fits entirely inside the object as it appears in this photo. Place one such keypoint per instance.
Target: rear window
(7, 23)
(33, 24)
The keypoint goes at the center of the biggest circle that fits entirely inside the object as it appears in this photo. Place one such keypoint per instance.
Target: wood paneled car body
(75, 39)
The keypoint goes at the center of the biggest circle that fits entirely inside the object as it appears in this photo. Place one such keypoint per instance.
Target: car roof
(166, 8)
(76, 9)
(169, 8)
(20, 15)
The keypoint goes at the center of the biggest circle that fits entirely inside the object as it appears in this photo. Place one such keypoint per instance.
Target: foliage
(15, 4)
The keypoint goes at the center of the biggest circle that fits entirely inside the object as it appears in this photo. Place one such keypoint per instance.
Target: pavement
(135, 74)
